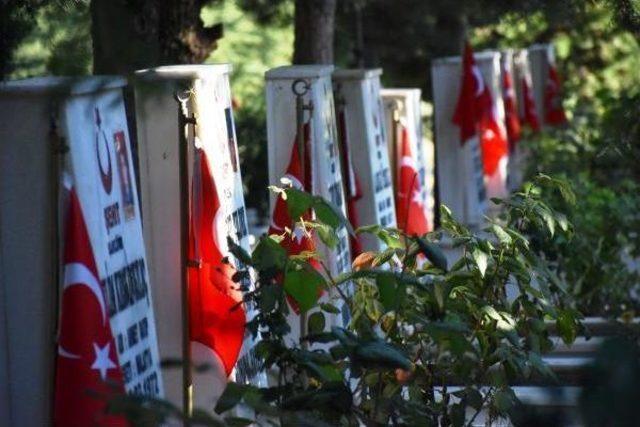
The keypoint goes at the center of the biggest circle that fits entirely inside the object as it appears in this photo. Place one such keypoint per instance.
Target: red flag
(530, 116)
(493, 140)
(469, 107)
(512, 120)
(409, 204)
(351, 183)
(215, 318)
(87, 361)
(476, 115)
(300, 240)
(554, 112)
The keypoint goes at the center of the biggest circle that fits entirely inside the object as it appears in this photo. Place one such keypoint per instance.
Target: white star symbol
(416, 197)
(102, 362)
(298, 233)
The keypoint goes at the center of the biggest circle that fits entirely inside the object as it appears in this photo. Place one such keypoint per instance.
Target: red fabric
(476, 114)
(87, 362)
(352, 185)
(512, 120)
(215, 318)
(409, 207)
(493, 140)
(530, 116)
(301, 240)
(468, 109)
(554, 112)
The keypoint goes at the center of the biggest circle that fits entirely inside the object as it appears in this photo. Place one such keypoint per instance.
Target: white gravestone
(326, 174)
(518, 160)
(357, 95)
(460, 168)
(88, 115)
(539, 57)
(158, 142)
(406, 103)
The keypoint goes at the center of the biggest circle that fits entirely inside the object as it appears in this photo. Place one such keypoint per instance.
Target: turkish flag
(476, 115)
(299, 240)
(87, 369)
(409, 205)
(554, 112)
(469, 108)
(512, 120)
(530, 116)
(351, 183)
(216, 317)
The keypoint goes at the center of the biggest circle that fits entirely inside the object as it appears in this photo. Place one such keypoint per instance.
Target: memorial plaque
(359, 106)
(209, 101)
(88, 116)
(406, 105)
(326, 176)
(460, 173)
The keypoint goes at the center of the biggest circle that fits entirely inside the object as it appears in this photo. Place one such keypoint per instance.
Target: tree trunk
(314, 28)
(132, 34)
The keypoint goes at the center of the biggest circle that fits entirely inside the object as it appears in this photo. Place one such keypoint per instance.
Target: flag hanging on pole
(216, 315)
(409, 204)
(476, 114)
(530, 115)
(300, 240)
(351, 183)
(87, 369)
(512, 120)
(554, 112)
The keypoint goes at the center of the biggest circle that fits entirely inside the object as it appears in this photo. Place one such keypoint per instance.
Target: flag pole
(342, 144)
(300, 87)
(395, 127)
(185, 119)
(58, 150)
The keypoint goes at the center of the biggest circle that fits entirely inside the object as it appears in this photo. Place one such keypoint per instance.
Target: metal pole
(184, 120)
(58, 149)
(395, 127)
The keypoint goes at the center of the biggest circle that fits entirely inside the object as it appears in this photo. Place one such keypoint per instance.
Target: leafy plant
(427, 343)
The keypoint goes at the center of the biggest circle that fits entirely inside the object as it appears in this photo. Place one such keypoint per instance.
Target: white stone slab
(357, 94)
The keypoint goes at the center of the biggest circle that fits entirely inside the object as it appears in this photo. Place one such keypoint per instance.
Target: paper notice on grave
(101, 167)
(326, 174)
(216, 136)
(361, 115)
(405, 105)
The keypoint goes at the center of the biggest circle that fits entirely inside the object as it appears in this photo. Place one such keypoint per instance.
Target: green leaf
(326, 214)
(502, 235)
(268, 254)
(481, 259)
(238, 251)
(387, 291)
(329, 308)
(567, 326)
(298, 202)
(231, 396)
(303, 285)
(326, 234)
(378, 354)
(433, 253)
(316, 322)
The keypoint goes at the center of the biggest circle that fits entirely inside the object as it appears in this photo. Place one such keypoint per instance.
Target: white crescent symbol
(64, 353)
(479, 80)
(77, 274)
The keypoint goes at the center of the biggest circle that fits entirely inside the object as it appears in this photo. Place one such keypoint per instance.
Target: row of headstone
(530, 78)
(355, 131)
